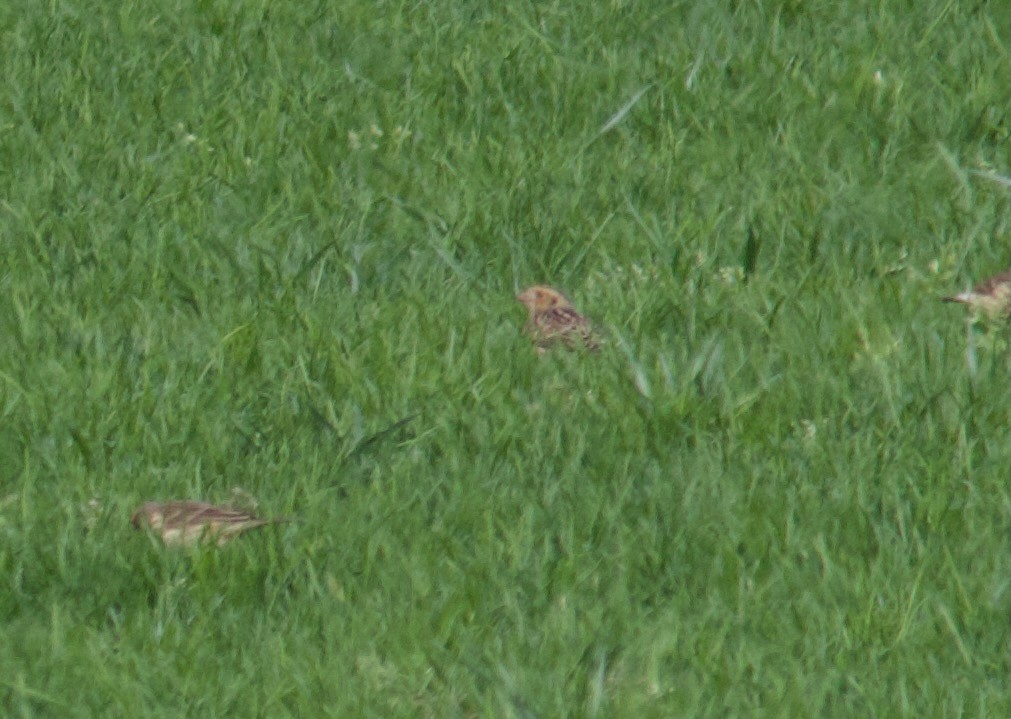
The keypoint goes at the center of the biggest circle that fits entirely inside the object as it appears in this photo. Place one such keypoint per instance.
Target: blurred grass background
(243, 241)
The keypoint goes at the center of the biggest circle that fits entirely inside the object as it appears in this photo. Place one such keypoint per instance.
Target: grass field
(275, 247)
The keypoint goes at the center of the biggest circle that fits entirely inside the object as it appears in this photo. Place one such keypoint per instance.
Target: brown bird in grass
(183, 523)
(553, 319)
(992, 296)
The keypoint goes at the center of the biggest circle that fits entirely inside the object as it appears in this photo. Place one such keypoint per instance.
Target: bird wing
(994, 284)
(564, 323)
(201, 514)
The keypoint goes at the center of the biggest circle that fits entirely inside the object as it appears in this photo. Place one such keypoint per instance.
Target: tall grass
(274, 247)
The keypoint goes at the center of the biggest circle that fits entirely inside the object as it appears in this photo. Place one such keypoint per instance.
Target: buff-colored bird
(992, 297)
(184, 522)
(553, 319)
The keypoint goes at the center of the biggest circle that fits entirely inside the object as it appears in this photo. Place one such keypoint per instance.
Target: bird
(991, 296)
(186, 522)
(553, 319)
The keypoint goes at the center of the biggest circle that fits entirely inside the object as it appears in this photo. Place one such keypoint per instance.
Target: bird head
(541, 297)
(145, 514)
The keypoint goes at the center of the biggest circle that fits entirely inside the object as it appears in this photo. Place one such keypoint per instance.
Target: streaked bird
(991, 296)
(553, 319)
(184, 522)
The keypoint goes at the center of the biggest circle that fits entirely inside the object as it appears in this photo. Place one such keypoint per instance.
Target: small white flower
(731, 275)
(879, 78)
(354, 141)
(91, 512)
(810, 431)
(400, 135)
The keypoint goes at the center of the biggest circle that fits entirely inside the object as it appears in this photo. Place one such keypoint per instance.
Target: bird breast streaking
(553, 319)
(185, 522)
(991, 296)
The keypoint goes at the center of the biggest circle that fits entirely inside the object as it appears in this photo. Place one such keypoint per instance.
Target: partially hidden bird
(992, 296)
(186, 522)
(552, 319)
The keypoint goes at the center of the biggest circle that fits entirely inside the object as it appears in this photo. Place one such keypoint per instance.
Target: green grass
(240, 241)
